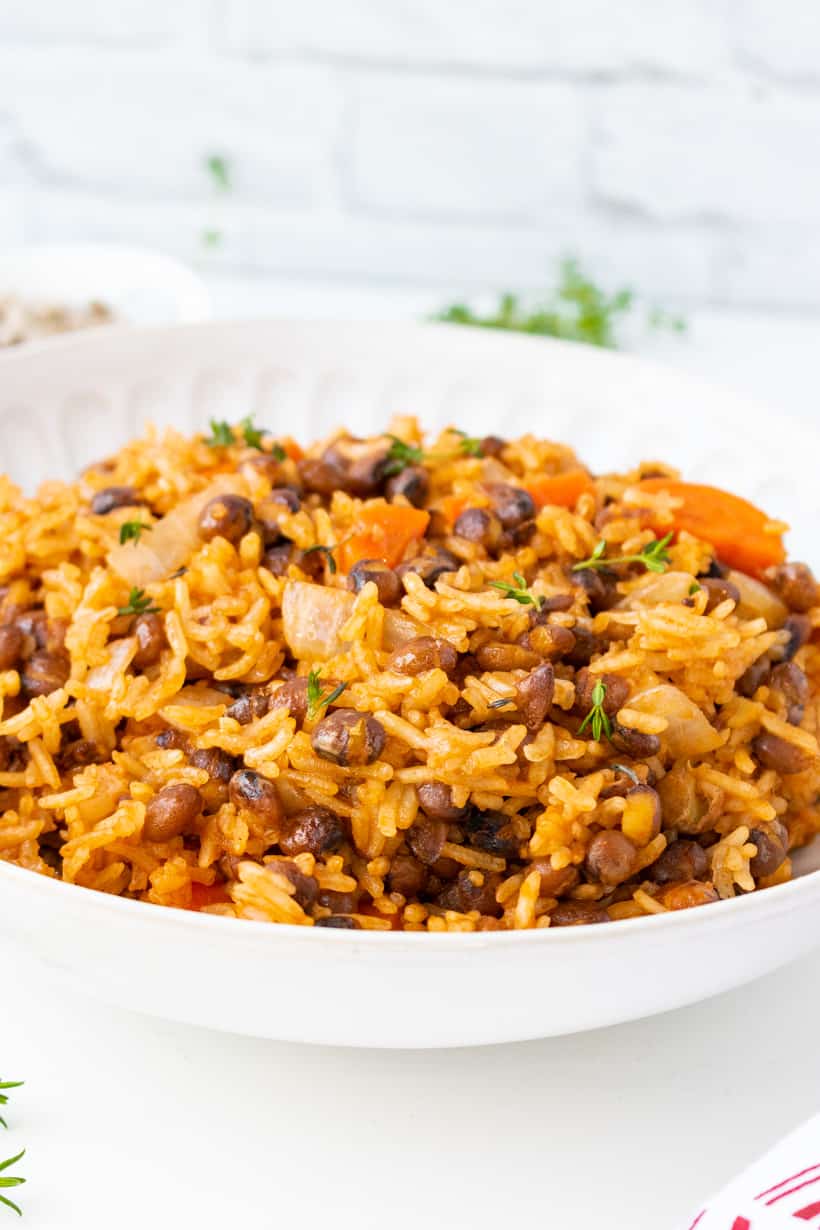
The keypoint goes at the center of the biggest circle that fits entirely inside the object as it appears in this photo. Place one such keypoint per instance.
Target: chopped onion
(173, 539)
(120, 652)
(663, 587)
(689, 732)
(757, 599)
(313, 617)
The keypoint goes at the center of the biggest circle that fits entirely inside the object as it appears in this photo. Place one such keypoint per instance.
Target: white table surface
(130, 1122)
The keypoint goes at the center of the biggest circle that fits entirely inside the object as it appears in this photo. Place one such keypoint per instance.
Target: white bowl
(395, 990)
(141, 286)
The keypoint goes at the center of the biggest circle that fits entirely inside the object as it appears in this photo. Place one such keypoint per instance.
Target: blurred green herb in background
(219, 172)
(578, 311)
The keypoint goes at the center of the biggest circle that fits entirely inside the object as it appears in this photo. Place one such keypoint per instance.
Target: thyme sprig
(130, 531)
(4, 1097)
(598, 721)
(138, 604)
(519, 592)
(401, 454)
(8, 1180)
(654, 556)
(221, 434)
(316, 699)
(327, 552)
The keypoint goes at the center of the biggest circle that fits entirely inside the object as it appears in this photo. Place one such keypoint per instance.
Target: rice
(390, 684)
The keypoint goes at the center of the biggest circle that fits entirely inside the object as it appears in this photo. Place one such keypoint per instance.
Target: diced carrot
(292, 449)
(733, 526)
(382, 531)
(562, 489)
(207, 894)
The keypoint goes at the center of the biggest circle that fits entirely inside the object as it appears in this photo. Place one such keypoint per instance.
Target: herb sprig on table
(7, 1180)
(578, 310)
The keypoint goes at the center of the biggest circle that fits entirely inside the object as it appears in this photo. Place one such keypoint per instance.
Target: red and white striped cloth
(781, 1189)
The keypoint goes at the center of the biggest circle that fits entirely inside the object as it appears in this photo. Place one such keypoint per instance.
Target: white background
(462, 144)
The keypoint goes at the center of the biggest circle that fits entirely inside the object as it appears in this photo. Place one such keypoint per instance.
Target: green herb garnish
(250, 434)
(328, 554)
(138, 604)
(4, 1097)
(470, 446)
(654, 556)
(11, 1181)
(277, 452)
(694, 588)
(598, 721)
(399, 455)
(578, 310)
(221, 434)
(519, 591)
(630, 773)
(130, 531)
(219, 170)
(315, 698)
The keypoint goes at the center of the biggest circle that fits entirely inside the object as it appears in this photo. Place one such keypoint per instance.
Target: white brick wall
(469, 143)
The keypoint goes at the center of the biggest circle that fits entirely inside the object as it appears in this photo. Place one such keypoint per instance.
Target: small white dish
(400, 989)
(142, 287)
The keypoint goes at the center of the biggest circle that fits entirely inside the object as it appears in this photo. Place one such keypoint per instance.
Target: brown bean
(109, 498)
(790, 682)
(753, 676)
(361, 464)
(492, 446)
(340, 903)
(426, 838)
(348, 737)
(616, 691)
(493, 832)
(501, 656)
(311, 831)
(587, 644)
(512, 505)
(687, 895)
(149, 630)
(413, 482)
(270, 512)
(319, 476)
(479, 525)
(534, 695)
(217, 763)
(250, 706)
(226, 516)
(45, 672)
(681, 860)
(436, 801)
(718, 589)
(337, 923)
(799, 630)
(293, 696)
(307, 888)
(171, 739)
(465, 894)
(772, 841)
(277, 559)
(578, 913)
(611, 857)
(795, 584)
(550, 641)
(634, 743)
(11, 646)
(600, 587)
(423, 653)
(79, 753)
(407, 876)
(430, 567)
(171, 812)
(776, 753)
(252, 792)
(553, 882)
(385, 579)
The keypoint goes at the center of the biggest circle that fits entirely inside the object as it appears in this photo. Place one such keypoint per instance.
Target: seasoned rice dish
(454, 684)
